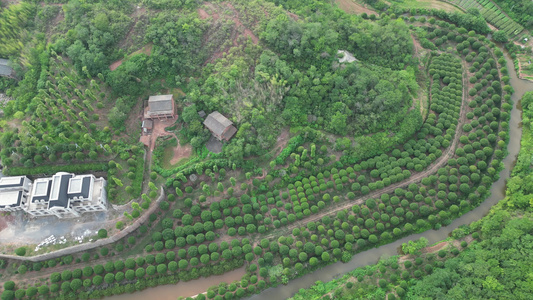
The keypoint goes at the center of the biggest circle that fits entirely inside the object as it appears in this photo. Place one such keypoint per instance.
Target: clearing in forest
(353, 7)
(427, 4)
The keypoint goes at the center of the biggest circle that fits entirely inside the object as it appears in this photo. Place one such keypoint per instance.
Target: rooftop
(148, 124)
(11, 198)
(8, 182)
(74, 185)
(58, 194)
(79, 186)
(230, 132)
(41, 189)
(160, 103)
(217, 123)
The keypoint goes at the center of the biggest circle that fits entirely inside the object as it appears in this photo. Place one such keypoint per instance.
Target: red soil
(203, 14)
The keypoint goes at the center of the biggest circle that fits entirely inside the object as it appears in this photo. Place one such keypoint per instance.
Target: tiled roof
(160, 104)
(217, 123)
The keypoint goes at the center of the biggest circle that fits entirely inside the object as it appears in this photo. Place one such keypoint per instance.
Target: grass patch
(526, 66)
(427, 4)
(168, 154)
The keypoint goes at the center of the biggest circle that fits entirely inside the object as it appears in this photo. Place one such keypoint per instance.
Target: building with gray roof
(220, 126)
(160, 107)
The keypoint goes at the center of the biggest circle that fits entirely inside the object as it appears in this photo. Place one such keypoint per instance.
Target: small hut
(147, 126)
(220, 126)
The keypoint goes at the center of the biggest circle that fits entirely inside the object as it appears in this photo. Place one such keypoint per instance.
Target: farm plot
(493, 15)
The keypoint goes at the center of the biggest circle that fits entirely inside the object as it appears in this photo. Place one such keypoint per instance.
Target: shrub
(383, 283)
(102, 233)
(20, 251)
(119, 225)
(9, 285)
(442, 253)
(8, 295)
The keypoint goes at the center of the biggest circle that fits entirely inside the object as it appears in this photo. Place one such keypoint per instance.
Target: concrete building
(67, 195)
(220, 126)
(14, 193)
(160, 107)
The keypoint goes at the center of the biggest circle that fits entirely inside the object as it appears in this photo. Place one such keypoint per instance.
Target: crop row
(493, 15)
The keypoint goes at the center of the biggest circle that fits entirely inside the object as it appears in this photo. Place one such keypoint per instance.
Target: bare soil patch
(282, 140)
(352, 7)
(294, 16)
(212, 10)
(417, 45)
(435, 248)
(180, 152)
(4, 220)
(146, 50)
(203, 14)
(115, 65)
(250, 34)
(159, 130)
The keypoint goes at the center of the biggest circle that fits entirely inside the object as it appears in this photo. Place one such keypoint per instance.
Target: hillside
(276, 156)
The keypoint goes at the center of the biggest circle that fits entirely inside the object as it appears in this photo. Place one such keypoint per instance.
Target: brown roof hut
(220, 126)
(161, 107)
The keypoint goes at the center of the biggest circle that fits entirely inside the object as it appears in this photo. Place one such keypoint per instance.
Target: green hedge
(50, 170)
(293, 143)
(139, 176)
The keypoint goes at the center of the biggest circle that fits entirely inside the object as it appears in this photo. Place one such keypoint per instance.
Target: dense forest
(295, 77)
(332, 156)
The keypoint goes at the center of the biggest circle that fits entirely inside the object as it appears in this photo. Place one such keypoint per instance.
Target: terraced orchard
(309, 208)
(492, 13)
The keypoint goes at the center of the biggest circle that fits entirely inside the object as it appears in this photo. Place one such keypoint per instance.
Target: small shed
(147, 126)
(160, 107)
(202, 114)
(5, 69)
(220, 126)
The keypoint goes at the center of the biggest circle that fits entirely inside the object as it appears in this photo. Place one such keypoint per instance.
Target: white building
(14, 193)
(64, 195)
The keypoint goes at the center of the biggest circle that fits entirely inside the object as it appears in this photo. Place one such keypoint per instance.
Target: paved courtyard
(22, 230)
